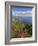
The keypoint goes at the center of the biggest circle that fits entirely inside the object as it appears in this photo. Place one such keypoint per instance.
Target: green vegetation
(19, 29)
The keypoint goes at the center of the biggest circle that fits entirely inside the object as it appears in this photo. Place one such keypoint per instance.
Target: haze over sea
(23, 14)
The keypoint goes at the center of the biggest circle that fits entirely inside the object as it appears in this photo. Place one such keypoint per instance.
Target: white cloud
(16, 13)
(22, 11)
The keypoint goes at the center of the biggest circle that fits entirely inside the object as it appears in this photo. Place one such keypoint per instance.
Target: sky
(23, 9)
(16, 11)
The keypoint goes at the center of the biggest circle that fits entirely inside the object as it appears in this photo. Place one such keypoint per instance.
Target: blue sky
(23, 9)
(19, 9)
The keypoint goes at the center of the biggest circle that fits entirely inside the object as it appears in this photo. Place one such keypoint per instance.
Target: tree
(16, 26)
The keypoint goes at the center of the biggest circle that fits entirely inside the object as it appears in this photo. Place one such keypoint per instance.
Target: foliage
(18, 26)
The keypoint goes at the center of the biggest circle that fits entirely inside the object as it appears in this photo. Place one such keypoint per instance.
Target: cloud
(20, 13)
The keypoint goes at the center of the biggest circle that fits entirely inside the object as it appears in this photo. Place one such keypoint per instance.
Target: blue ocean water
(25, 19)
